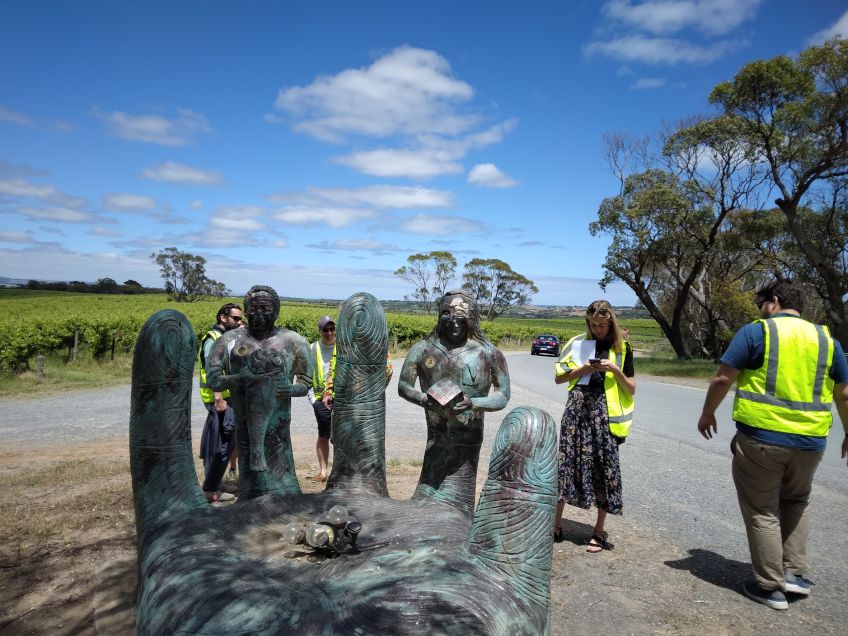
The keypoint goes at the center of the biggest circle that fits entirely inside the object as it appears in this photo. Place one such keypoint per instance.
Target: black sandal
(599, 540)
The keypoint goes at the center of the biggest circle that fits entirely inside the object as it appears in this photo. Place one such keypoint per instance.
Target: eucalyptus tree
(672, 234)
(795, 112)
(430, 275)
(495, 286)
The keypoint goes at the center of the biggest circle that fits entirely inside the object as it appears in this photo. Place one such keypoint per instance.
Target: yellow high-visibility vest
(207, 394)
(318, 371)
(792, 391)
(619, 402)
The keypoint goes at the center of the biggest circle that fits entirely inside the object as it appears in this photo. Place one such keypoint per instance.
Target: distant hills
(406, 306)
(12, 282)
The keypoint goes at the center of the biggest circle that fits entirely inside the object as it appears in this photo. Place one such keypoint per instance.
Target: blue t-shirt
(746, 351)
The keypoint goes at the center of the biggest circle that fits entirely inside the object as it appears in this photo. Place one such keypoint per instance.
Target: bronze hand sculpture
(417, 567)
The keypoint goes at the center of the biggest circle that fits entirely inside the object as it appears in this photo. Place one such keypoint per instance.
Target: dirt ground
(67, 562)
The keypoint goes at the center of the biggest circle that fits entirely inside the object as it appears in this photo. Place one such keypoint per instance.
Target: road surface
(678, 491)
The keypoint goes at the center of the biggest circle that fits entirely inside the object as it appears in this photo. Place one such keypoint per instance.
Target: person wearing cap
(322, 351)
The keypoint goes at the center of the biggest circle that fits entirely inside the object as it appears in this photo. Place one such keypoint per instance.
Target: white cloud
(21, 189)
(243, 218)
(104, 231)
(61, 125)
(837, 29)
(17, 237)
(711, 17)
(155, 129)
(489, 176)
(50, 229)
(648, 83)
(416, 164)
(321, 215)
(492, 135)
(641, 31)
(373, 246)
(408, 94)
(431, 157)
(174, 172)
(221, 237)
(196, 205)
(439, 225)
(49, 262)
(649, 50)
(11, 117)
(61, 214)
(19, 170)
(124, 202)
(384, 196)
(408, 91)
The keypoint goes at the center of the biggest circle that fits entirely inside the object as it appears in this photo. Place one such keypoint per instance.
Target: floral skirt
(589, 471)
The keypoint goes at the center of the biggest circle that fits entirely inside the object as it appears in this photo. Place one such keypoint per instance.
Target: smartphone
(594, 360)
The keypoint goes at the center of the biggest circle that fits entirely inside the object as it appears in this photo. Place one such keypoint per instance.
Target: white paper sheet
(581, 355)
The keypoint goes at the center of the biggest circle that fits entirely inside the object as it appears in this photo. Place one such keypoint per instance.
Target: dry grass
(46, 501)
(59, 376)
(68, 511)
(65, 500)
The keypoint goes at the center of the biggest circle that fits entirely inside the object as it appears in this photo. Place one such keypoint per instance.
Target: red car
(545, 343)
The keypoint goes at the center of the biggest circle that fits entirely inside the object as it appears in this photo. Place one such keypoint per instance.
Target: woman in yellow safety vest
(598, 368)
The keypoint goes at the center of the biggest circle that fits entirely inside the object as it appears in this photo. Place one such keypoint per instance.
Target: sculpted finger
(511, 532)
(161, 461)
(359, 404)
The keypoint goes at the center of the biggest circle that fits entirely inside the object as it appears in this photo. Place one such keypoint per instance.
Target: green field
(105, 327)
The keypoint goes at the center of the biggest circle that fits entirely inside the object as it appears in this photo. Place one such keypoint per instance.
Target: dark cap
(324, 321)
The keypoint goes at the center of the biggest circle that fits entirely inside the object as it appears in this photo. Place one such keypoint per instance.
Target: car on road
(545, 343)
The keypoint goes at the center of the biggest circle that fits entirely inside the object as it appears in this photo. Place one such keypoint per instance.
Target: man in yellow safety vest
(217, 442)
(787, 371)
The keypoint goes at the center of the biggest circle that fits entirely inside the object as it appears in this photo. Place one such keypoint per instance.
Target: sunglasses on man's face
(236, 318)
(328, 329)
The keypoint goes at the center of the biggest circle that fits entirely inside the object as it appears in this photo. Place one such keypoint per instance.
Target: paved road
(677, 485)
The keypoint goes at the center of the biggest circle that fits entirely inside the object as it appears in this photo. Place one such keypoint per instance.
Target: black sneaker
(797, 584)
(775, 599)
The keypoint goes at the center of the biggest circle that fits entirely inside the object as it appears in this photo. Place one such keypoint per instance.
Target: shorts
(323, 417)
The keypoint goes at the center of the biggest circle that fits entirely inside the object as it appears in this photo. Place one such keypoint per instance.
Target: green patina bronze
(418, 567)
(359, 404)
(263, 367)
(455, 357)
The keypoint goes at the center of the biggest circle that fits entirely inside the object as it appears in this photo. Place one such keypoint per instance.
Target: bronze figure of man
(263, 366)
(462, 375)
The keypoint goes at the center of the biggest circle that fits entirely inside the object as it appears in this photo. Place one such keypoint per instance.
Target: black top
(602, 348)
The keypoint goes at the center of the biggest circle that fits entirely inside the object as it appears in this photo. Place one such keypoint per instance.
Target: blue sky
(314, 146)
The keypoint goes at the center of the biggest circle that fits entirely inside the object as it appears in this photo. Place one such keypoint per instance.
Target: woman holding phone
(596, 420)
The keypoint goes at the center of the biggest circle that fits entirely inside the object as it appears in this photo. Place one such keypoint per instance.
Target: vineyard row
(44, 324)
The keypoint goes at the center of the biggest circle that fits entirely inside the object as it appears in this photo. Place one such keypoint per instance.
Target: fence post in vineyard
(39, 368)
(76, 345)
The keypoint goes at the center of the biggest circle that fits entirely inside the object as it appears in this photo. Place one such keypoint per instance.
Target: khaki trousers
(773, 484)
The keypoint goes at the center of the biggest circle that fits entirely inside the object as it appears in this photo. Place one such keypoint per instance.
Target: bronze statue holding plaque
(462, 375)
